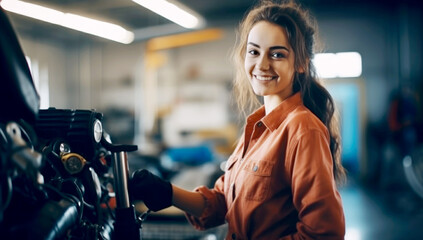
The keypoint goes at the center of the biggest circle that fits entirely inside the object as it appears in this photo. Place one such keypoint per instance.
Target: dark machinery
(60, 177)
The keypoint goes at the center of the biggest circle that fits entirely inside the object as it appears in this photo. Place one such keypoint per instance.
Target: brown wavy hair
(301, 30)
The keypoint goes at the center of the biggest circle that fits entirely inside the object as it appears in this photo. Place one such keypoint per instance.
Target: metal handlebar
(126, 223)
(121, 177)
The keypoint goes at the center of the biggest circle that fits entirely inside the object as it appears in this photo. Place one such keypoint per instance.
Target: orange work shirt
(279, 181)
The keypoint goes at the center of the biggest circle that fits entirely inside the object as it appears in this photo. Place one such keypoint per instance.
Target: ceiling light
(338, 65)
(91, 26)
(325, 65)
(349, 64)
(174, 11)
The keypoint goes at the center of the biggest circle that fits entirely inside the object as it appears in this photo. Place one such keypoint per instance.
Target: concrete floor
(388, 214)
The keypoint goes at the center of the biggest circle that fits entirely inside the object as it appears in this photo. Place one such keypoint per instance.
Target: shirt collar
(277, 115)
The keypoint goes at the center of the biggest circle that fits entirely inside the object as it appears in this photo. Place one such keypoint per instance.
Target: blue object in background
(190, 155)
(347, 100)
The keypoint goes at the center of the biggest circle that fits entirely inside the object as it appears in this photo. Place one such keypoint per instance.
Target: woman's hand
(153, 190)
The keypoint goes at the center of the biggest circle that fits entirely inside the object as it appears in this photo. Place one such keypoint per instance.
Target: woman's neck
(272, 101)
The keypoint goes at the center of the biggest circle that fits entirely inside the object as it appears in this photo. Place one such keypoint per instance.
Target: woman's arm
(188, 201)
(315, 195)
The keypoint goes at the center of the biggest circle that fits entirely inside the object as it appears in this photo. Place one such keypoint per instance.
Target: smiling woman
(269, 63)
(286, 164)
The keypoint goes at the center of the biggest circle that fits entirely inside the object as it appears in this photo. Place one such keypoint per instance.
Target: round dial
(73, 162)
(97, 130)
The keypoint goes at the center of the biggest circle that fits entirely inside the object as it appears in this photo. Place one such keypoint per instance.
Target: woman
(280, 182)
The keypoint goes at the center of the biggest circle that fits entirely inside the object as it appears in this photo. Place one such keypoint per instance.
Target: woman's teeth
(261, 78)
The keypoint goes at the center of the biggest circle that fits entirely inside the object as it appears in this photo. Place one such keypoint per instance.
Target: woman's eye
(252, 52)
(278, 55)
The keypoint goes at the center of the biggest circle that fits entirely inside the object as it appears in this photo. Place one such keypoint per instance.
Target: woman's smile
(264, 77)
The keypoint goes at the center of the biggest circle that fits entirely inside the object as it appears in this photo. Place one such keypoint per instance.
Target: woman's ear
(303, 68)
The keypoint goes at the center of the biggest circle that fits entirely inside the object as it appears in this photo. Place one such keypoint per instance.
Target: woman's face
(269, 61)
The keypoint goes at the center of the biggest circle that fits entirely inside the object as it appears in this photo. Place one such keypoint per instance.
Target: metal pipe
(121, 177)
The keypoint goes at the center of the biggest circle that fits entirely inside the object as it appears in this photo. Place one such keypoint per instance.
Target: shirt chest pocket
(256, 180)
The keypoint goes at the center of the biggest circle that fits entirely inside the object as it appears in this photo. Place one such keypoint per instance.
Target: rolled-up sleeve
(215, 210)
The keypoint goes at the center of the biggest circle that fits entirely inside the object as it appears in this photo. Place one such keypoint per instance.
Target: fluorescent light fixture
(325, 64)
(349, 64)
(174, 11)
(98, 28)
(334, 65)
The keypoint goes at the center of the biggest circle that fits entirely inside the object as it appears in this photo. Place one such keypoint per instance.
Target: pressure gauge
(97, 130)
(73, 162)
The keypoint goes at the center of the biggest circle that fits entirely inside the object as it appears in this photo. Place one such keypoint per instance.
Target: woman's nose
(263, 63)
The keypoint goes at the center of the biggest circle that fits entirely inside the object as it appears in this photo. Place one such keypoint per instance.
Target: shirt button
(233, 236)
(259, 124)
(255, 168)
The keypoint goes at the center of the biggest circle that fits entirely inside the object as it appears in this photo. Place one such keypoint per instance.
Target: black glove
(153, 190)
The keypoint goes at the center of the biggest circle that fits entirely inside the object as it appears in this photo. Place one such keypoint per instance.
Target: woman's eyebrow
(279, 47)
(271, 48)
(255, 45)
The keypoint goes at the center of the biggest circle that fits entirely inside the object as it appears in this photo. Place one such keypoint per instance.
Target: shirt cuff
(214, 212)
